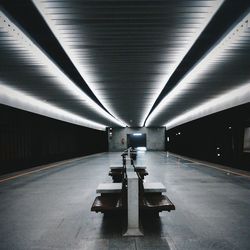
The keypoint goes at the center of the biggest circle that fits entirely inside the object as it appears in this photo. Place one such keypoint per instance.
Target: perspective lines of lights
(226, 49)
(21, 43)
(82, 69)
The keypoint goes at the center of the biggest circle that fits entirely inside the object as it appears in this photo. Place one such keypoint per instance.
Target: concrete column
(133, 204)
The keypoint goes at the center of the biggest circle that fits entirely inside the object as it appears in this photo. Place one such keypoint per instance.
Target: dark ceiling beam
(28, 18)
(226, 16)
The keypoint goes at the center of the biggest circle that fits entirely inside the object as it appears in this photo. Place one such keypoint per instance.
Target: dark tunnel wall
(27, 140)
(217, 138)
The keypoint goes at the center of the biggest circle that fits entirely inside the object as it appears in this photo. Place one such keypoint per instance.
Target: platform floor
(50, 209)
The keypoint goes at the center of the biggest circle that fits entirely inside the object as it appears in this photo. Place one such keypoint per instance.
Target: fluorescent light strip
(209, 62)
(83, 71)
(16, 98)
(137, 134)
(63, 81)
(231, 99)
(88, 79)
(209, 16)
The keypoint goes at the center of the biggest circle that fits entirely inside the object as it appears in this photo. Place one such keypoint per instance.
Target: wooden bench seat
(141, 172)
(107, 203)
(117, 176)
(133, 155)
(157, 202)
(154, 202)
(115, 173)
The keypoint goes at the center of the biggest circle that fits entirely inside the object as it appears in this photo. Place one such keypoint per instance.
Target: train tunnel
(125, 124)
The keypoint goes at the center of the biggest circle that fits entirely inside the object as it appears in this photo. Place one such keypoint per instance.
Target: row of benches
(155, 202)
(117, 172)
(114, 197)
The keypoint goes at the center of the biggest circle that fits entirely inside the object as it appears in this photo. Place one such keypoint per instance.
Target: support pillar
(133, 204)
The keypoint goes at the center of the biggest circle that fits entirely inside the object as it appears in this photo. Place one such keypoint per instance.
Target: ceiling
(112, 63)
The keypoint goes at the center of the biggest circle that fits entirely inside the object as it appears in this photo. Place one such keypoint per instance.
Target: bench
(139, 166)
(141, 172)
(117, 174)
(133, 154)
(154, 201)
(107, 203)
(157, 203)
(154, 187)
(109, 188)
(116, 167)
(112, 199)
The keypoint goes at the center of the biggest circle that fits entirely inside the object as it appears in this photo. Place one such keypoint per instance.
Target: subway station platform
(49, 207)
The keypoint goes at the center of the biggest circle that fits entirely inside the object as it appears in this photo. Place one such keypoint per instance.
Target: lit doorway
(137, 140)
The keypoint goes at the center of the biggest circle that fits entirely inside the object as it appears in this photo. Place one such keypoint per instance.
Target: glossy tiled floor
(50, 209)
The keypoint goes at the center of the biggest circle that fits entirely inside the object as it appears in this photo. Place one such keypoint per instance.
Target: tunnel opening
(137, 140)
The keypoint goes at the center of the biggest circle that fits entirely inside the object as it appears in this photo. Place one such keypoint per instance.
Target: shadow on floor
(116, 224)
(151, 224)
(113, 225)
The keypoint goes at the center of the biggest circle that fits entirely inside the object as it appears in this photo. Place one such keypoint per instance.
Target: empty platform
(50, 209)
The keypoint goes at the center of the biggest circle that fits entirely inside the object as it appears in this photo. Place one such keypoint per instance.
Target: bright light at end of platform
(137, 134)
(141, 148)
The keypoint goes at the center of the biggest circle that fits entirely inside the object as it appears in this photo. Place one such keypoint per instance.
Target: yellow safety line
(37, 170)
(221, 169)
(52, 165)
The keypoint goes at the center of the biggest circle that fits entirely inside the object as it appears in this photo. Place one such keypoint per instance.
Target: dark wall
(217, 138)
(28, 140)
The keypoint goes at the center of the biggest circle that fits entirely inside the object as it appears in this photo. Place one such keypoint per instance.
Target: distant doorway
(136, 140)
